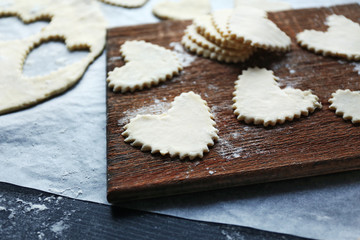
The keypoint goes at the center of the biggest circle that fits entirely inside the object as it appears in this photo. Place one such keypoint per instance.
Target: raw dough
(126, 3)
(251, 26)
(186, 130)
(342, 39)
(205, 27)
(346, 103)
(195, 48)
(258, 99)
(203, 42)
(220, 20)
(147, 65)
(183, 9)
(79, 22)
(266, 5)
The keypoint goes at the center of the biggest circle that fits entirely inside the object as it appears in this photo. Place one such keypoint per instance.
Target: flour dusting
(228, 150)
(184, 57)
(31, 206)
(59, 227)
(157, 108)
(356, 67)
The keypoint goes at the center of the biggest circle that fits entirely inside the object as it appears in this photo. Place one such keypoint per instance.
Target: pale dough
(251, 26)
(207, 53)
(258, 99)
(203, 42)
(205, 26)
(342, 38)
(267, 5)
(126, 3)
(186, 130)
(79, 22)
(220, 19)
(147, 65)
(182, 9)
(346, 103)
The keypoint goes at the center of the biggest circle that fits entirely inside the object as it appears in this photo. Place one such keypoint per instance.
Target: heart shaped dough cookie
(186, 130)
(346, 103)
(147, 65)
(183, 9)
(251, 26)
(342, 39)
(258, 99)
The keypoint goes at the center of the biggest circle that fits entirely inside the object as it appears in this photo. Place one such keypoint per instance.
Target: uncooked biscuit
(346, 103)
(186, 130)
(203, 42)
(147, 65)
(258, 99)
(251, 26)
(342, 39)
(193, 47)
(206, 28)
(220, 19)
(70, 21)
(181, 10)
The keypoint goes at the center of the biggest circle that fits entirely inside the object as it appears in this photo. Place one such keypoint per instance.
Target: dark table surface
(31, 214)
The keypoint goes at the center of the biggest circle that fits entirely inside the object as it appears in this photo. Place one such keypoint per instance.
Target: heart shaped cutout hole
(51, 56)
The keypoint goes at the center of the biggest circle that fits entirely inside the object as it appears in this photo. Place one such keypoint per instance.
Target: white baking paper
(59, 146)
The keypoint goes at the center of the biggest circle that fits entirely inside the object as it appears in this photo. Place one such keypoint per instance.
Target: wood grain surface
(321, 143)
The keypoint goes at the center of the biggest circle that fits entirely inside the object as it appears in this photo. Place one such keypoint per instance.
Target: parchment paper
(59, 146)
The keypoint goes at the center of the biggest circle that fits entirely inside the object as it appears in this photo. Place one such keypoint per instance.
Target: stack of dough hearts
(233, 35)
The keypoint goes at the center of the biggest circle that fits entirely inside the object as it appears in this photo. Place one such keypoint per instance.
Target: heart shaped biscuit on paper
(180, 10)
(342, 38)
(186, 130)
(258, 99)
(346, 103)
(147, 65)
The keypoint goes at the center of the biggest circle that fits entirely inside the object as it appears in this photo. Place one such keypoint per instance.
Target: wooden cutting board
(321, 143)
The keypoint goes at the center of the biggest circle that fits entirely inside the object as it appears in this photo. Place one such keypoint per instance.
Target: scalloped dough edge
(340, 112)
(195, 48)
(153, 82)
(259, 121)
(214, 135)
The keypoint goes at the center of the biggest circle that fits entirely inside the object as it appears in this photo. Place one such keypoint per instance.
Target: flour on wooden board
(184, 57)
(356, 67)
(158, 107)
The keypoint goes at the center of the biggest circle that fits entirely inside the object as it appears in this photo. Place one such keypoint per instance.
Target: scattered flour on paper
(184, 57)
(158, 107)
